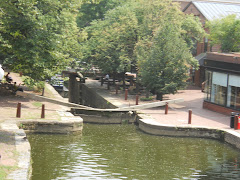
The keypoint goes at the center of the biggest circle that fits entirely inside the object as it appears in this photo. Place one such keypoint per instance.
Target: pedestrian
(8, 78)
(107, 77)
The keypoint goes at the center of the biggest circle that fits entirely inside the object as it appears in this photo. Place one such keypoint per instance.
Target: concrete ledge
(232, 138)
(105, 117)
(152, 127)
(24, 166)
(67, 124)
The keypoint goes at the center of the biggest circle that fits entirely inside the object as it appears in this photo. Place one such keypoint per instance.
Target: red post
(137, 97)
(126, 94)
(18, 110)
(189, 116)
(43, 111)
(166, 108)
(236, 122)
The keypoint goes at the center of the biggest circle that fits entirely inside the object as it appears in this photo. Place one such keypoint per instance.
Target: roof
(217, 10)
(201, 58)
(220, 1)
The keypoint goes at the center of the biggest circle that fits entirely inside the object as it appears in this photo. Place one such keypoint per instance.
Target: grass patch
(5, 170)
(37, 104)
(146, 99)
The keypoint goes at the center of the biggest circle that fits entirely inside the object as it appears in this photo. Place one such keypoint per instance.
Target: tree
(95, 10)
(225, 32)
(128, 34)
(112, 40)
(164, 60)
(41, 36)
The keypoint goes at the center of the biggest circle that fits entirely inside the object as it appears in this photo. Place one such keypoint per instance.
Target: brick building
(207, 10)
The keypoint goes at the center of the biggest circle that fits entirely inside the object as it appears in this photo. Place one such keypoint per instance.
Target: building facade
(222, 82)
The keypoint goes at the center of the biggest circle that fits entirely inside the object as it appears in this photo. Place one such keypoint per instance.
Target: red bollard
(166, 108)
(18, 110)
(236, 122)
(126, 94)
(137, 99)
(43, 111)
(189, 116)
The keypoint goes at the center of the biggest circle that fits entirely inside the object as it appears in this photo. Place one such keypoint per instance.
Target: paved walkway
(177, 113)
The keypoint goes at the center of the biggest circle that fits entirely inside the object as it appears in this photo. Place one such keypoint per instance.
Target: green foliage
(192, 31)
(112, 40)
(40, 37)
(95, 10)
(146, 99)
(134, 33)
(164, 60)
(225, 32)
(33, 84)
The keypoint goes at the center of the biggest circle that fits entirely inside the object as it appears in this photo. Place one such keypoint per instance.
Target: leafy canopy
(225, 32)
(153, 35)
(40, 38)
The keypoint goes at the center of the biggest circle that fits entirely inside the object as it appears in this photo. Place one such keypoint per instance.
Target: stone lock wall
(89, 97)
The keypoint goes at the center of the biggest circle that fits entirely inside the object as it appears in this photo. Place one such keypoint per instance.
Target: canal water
(124, 152)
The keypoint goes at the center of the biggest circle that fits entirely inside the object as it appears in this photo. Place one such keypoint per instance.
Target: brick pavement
(177, 113)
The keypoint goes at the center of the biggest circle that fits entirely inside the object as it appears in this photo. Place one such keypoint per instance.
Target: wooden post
(126, 94)
(101, 81)
(189, 116)
(108, 85)
(43, 111)
(166, 108)
(116, 88)
(137, 99)
(18, 115)
(43, 91)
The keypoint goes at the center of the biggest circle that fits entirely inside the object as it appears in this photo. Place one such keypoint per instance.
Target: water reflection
(123, 152)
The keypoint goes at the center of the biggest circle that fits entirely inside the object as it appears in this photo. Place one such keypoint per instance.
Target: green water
(124, 152)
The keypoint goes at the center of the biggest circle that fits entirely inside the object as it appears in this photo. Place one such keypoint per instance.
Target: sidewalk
(177, 113)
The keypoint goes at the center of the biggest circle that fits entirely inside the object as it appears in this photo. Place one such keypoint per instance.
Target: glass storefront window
(208, 85)
(216, 87)
(233, 99)
(219, 94)
(222, 89)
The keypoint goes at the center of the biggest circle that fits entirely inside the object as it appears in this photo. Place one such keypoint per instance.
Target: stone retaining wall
(90, 98)
(24, 166)
(152, 127)
(105, 117)
(67, 124)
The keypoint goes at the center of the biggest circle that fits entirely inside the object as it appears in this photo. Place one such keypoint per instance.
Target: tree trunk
(137, 84)
(147, 93)
(114, 78)
(123, 78)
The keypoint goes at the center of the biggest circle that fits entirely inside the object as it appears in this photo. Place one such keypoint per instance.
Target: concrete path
(177, 113)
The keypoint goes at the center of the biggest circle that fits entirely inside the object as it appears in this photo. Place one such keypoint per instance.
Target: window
(205, 44)
(222, 89)
(208, 85)
(233, 99)
(219, 88)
